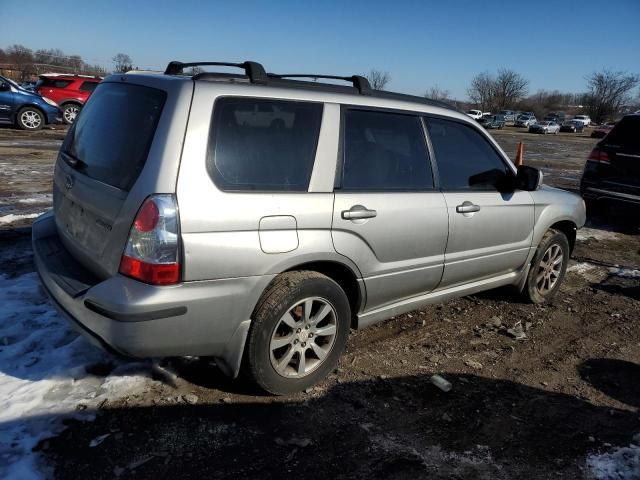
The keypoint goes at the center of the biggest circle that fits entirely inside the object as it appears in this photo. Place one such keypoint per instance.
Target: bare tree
(378, 79)
(508, 88)
(437, 93)
(123, 63)
(608, 91)
(481, 90)
(497, 92)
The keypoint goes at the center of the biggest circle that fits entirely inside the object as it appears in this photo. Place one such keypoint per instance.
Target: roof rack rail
(253, 70)
(359, 82)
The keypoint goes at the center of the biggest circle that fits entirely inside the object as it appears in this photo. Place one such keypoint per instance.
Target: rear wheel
(69, 112)
(30, 118)
(300, 328)
(548, 268)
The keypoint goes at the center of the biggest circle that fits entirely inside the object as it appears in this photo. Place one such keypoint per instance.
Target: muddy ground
(534, 408)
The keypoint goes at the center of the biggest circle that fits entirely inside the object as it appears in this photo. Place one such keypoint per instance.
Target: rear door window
(262, 144)
(384, 151)
(466, 160)
(111, 138)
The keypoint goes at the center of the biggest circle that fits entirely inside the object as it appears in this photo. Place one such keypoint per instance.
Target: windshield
(12, 83)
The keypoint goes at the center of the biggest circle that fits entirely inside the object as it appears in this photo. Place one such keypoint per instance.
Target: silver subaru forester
(256, 218)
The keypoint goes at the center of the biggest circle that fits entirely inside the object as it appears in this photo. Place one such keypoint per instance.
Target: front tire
(69, 112)
(30, 118)
(299, 330)
(548, 268)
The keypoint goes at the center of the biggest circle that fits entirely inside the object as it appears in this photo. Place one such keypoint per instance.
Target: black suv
(612, 171)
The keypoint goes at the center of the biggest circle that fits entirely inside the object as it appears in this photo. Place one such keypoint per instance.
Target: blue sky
(554, 44)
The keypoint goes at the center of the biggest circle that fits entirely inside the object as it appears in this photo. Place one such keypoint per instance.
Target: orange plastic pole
(518, 161)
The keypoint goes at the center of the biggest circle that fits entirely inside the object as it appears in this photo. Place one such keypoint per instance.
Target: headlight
(50, 102)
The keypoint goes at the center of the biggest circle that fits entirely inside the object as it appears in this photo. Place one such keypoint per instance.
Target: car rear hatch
(621, 147)
(119, 151)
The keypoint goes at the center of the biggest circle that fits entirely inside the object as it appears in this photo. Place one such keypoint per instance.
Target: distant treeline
(22, 63)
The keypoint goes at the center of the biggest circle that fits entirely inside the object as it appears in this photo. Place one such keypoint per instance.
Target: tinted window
(263, 145)
(88, 86)
(384, 151)
(465, 159)
(53, 83)
(112, 135)
(626, 133)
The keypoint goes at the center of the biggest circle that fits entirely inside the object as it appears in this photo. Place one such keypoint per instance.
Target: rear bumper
(209, 318)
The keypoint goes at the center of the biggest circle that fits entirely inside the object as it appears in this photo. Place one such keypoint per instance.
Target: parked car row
(26, 109)
(54, 98)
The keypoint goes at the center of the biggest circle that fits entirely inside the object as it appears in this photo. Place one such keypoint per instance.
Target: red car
(69, 91)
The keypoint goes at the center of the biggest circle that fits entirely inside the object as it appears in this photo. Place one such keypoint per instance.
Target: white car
(585, 119)
(475, 114)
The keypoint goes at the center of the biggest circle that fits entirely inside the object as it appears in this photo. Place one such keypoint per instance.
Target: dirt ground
(531, 409)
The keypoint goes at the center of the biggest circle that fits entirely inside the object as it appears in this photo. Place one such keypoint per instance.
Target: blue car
(27, 110)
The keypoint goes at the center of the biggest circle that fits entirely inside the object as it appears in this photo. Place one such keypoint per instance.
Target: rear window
(626, 134)
(111, 137)
(263, 145)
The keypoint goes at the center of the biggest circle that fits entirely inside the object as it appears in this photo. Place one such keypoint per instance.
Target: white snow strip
(620, 464)
(625, 272)
(43, 375)
(581, 267)
(12, 218)
(587, 233)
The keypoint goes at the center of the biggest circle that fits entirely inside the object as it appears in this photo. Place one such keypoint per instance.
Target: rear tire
(69, 112)
(548, 268)
(30, 118)
(299, 330)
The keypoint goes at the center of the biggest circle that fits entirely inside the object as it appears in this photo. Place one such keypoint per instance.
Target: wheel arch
(569, 229)
(344, 276)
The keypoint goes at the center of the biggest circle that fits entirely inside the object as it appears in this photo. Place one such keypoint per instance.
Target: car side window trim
(434, 159)
(340, 161)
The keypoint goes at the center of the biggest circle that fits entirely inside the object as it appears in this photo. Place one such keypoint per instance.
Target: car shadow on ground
(614, 217)
(398, 428)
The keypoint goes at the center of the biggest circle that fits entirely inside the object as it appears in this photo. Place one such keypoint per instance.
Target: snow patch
(43, 374)
(12, 218)
(625, 272)
(595, 234)
(581, 268)
(621, 464)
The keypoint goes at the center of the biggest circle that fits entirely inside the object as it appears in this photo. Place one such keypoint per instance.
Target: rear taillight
(599, 156)
(152, 251)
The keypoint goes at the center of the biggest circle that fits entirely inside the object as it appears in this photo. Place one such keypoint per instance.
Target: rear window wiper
(72, 161)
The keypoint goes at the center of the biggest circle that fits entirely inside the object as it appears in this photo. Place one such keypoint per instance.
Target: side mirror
(529, 178)
(4, 87)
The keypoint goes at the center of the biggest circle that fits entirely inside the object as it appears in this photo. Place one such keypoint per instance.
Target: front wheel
(300, 328)
(548, 268)
(30, 118)
(69, 112)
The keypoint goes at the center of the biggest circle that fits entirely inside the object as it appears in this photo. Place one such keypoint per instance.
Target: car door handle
(358, 212)
(467, 207)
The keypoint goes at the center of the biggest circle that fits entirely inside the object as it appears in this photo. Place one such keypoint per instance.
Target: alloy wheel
(303, 337)
(70, 114)
(30, 119)
(549, 269)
